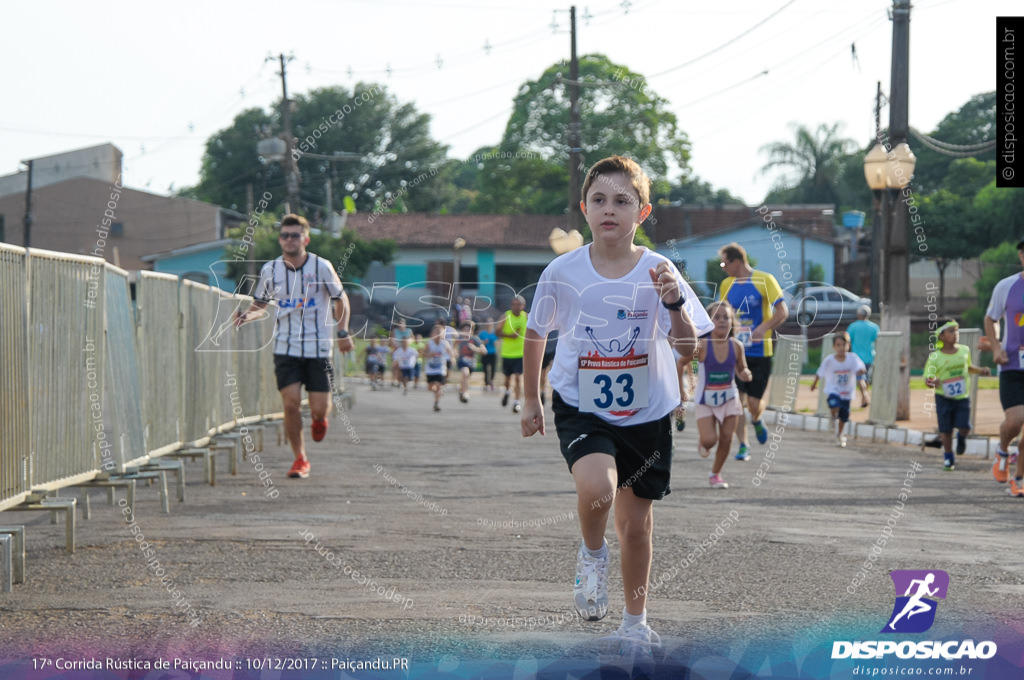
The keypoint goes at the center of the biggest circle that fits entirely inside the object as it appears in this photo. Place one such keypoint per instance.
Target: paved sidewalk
(466, 536)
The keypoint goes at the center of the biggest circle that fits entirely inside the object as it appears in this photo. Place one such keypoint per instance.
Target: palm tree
(814, 162)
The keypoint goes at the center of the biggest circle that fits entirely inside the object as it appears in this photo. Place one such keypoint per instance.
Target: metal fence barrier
(67, 356)
(123, 393)
(884, 384)
(158, 329)
(787, 364)
(14, 390)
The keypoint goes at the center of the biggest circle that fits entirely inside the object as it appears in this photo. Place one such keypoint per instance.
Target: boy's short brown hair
(291, 220)
(638, 179)
(733, 251)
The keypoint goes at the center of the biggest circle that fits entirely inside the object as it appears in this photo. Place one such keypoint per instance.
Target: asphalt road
(463, 536)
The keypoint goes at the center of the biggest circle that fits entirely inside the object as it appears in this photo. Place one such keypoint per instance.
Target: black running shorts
(761, 368)
(310, 372)
(1011, 389)
(643, 453)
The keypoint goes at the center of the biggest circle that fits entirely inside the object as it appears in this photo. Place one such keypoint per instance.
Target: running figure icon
(914, 604)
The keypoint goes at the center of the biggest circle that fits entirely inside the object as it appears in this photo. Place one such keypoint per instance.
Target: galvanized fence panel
(971, 337)
(222, 342)
(203, 379)
(126, 444)
(270, 397)
(787, 364)
(14, 384)
(158, 329)
(67, 356)
(885, 384)
(250, 363)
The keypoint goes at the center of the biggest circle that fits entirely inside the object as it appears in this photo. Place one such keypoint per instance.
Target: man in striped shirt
(307, 290)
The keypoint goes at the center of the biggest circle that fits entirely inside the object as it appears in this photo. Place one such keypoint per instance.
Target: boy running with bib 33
(614, 384)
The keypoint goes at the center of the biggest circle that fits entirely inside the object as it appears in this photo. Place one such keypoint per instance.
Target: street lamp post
(888, 174)
(460, 243)
(888, 168)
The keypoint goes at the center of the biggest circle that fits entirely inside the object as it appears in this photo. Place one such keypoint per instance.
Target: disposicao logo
(914, 612)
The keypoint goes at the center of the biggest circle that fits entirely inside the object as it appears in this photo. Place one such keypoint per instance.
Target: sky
(157, 79)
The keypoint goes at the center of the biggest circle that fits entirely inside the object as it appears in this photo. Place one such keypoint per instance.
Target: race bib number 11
(613, 383)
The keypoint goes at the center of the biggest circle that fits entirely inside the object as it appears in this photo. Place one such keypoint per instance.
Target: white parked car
(824, 304)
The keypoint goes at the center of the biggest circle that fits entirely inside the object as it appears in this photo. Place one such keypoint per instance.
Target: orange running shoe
(1001, 468)
(300, 469)
(1015, 488)
(319, 429)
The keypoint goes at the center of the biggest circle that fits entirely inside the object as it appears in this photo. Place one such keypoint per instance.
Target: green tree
(814, 161)
(996, 263)
(694, 191)
(714, 274)
(350, 254)
(972, 123)
(619, 114)
(389, 154)
(952, 228)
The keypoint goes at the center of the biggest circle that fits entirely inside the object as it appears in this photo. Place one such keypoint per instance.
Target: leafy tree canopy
(395, 157)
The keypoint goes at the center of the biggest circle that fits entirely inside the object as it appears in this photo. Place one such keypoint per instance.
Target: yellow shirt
(512, 348)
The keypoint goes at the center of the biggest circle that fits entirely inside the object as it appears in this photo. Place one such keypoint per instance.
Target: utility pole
(291, 164)
(877, 234)
(27, 220)
(575, 143)
(896, 315)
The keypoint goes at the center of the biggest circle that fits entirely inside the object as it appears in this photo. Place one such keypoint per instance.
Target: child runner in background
(720, 361)
(683, 368)
(376, 356)
(418, 344)
(467, 347)
(614, 386)
(405, 357)
(436, 356)
(946, 372)
(489, 360)
(841, 371)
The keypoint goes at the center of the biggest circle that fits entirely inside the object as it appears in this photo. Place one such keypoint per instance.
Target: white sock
(630, 620)
(601, 552)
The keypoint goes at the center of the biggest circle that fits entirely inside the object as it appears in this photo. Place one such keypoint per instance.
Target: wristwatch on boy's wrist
(342, 334)
(674, 306)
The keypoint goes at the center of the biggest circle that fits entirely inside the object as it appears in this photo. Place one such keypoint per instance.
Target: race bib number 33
(613, 383)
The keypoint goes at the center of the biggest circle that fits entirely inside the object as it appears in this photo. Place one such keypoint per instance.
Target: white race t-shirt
(437, 357)
(841, 376)
(405, 356)
(612, 357)
(305, 327)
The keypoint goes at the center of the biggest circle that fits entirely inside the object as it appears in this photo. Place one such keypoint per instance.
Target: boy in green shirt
(946, 372)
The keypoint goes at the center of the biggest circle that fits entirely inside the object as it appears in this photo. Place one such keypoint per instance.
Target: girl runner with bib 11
(720, 359)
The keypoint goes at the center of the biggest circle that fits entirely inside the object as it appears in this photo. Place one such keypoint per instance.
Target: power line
(725, 44)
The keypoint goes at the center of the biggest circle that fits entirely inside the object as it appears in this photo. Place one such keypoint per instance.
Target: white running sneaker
(630, 648)
(842, 441)
(590, 593)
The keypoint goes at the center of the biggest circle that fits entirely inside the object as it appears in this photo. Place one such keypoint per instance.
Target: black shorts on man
(1011, 389)
(512, 367)
(313, 373)
(761, 370)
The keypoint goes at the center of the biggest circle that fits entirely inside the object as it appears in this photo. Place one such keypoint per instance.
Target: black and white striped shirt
(305, 326)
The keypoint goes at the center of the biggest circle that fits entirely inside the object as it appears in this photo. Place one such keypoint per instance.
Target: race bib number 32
(613, 383)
